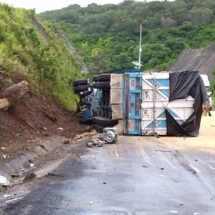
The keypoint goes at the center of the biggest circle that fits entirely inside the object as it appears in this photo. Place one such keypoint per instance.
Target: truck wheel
(101, 85)
(80, 82)
(104, 122)
(80, 88)
(102, 77)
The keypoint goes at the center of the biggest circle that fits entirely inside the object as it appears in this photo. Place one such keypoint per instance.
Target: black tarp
(182, 85)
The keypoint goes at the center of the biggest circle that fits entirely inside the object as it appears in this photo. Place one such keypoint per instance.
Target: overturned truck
(165, 103)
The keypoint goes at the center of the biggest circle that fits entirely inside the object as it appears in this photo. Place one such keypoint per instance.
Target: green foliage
(29, 47)
(107, 36)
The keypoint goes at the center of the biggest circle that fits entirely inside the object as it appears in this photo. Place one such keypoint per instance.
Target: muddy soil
(32, 117)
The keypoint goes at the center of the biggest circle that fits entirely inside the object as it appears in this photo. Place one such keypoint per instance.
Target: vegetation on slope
(107, 36)
(32, 49)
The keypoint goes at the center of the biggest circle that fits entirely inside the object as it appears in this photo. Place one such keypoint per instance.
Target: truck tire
(80, 82)
(101, 85)
(98, 128)
(102, 77)
(80, 88)
(104, 122)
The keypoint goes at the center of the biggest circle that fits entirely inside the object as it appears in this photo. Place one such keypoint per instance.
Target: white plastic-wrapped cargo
(155, 99)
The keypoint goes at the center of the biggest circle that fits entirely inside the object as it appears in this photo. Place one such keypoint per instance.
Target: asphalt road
(138, 176)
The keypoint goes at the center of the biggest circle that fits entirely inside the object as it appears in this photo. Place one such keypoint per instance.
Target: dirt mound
(202, 60)
(33, 117)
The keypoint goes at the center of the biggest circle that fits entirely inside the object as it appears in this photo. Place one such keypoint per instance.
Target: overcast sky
(44, 5)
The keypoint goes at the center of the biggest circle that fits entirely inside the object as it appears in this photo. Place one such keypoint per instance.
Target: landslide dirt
(33, 117)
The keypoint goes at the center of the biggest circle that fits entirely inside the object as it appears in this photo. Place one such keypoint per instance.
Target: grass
(48, 65)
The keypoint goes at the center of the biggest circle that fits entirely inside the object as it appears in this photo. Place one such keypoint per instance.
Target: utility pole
(138, 63)
(140, 48)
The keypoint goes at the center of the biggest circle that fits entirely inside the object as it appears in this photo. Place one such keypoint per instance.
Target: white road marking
(142, 153)
(174, 212)
(116, 153)
(213, 168)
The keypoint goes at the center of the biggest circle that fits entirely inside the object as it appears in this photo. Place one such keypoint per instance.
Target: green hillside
(32, 49)
(107, 36)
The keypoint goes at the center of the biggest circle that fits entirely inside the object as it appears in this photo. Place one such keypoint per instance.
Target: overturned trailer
(165, 103)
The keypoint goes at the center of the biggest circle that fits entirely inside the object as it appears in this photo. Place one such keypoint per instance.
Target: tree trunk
(12, 94)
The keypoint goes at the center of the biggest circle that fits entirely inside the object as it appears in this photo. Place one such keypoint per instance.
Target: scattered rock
(15, 175)
(4, 181)
(23, 170)
(67, 141)
(51, 174)
(89, 144)
(29, 176)
(31, 164)
(145, 166)
(50, 116)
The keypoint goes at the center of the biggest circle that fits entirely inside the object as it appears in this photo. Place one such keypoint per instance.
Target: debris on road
(109, 136)
(87, 134)
(95, 142)
(145, 166)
